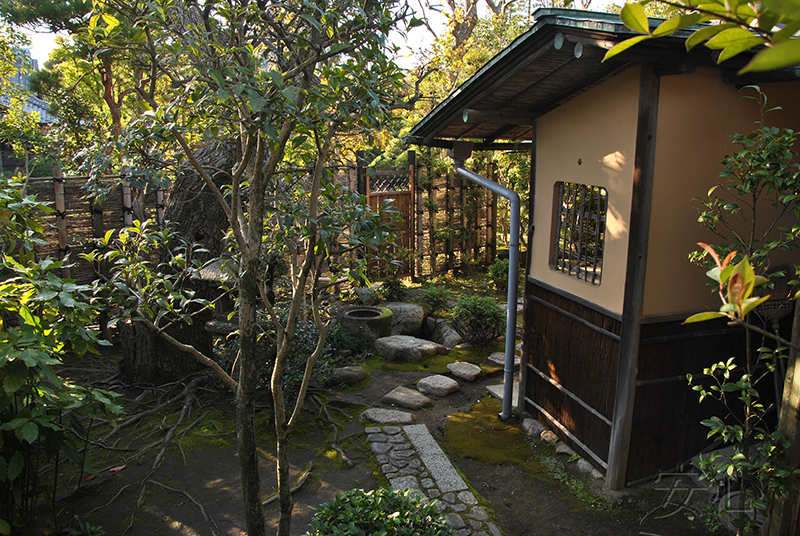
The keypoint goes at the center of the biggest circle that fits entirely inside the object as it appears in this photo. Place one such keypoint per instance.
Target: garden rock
(386, 416)
(464, 371)
(367, 296)
(348, 375)
(446, 335)
(407, 318)
(564, 449)
(437, 385)
(500, 358)
(532, 427)
(407, 398)
(407, 348)
(548, 437)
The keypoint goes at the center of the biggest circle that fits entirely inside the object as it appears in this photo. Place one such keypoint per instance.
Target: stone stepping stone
(407, 398)
(386, 416)
(497, 392)
(446, 477)
(407, 348)
(500, 359)
(437, 385)
(464, 371)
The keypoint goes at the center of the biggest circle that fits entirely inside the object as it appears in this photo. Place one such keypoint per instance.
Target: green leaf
(733, 36)
(706, 33)
(29, 432)
(15, 466)
(784, 54)
(5, 528)
(634, 17)
(257, 103)
(625, 45)
(677, 23)
(701, 317)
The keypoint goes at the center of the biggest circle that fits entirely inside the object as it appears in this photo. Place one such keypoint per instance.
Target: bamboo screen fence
(454, 221)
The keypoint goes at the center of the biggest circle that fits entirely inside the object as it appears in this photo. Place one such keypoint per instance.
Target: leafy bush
(435, 298)
(42, 317)
(392, 290)
(340, 340)
(479, 320)
(498, 272)
(382, 512)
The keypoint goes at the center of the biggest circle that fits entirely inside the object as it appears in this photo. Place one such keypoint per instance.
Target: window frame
(581, 208)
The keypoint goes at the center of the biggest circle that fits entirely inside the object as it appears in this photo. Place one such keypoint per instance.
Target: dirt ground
(196, 489)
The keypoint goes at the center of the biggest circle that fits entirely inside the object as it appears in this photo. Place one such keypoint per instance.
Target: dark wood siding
(666, 427)
(576, 347)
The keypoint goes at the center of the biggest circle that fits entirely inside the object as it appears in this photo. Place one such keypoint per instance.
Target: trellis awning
(558, 58)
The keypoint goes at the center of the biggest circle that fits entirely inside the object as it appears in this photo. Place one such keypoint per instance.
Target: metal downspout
(462, 151)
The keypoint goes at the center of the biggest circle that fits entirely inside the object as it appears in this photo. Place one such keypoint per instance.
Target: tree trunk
(245, 397)
(195, 210)
(148, 359)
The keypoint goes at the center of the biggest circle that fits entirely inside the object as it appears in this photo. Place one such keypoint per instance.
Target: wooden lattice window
(580, 228)
(389, 181)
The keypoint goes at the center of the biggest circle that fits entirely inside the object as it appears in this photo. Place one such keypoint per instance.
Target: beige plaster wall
(696, 114)
(589, 140)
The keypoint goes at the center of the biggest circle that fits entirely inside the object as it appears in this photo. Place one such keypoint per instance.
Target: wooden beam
(641, 202)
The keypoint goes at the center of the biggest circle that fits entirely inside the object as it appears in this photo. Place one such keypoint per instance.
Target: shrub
(435, 298)
(392, 290)
(382, 512)
(498, 272)
(479, 320)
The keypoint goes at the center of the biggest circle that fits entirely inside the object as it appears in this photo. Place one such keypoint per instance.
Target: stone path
(412, 460)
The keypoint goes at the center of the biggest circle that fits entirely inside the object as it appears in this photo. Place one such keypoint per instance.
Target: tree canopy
(769, 28)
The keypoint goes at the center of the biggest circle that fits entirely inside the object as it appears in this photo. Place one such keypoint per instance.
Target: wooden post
(448, 243)
(61, 220)
(98, 231)
(784, 518)
(633, 301)
(412, 185)
(527, 314)
(160, 208)
(361, 173)
(127, 200)
(493, 225)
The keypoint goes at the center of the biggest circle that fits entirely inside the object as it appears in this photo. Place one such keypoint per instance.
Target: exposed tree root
(123, 488)
(296, 487)
(187, 403)
(190, 388)
(215, 528)
(323, 407)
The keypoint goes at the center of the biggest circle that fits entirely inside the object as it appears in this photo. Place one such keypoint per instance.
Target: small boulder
(500, 359)
(564, 449)
(437, 385)
(445, 335)
(407, 398)
(367, 296)
(407, 318)
(348, 375)
(533, 427)
(407, 348)
(548, 437)
(464, 371)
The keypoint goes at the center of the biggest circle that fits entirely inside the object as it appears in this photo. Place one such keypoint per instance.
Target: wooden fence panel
(79, 218)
